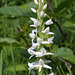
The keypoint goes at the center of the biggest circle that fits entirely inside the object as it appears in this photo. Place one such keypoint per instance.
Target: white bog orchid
(42, 53)
(40, 39)
(46, 31)
(38, 65)
(48, 41)
(49, 22)
(32, 35)
(32, 66)
(36, 22)
(31, 52)
(35, 44)
(41, 64)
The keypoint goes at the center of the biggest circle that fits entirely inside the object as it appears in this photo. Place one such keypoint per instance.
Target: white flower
(33, 31)
(46, 31)
(45, 6)
(33, 10)
(51, 74)
(49, 22)
(41, 64)
(31, 52)
(36, 22)
(48, 41)
(39, 40)
(42, 53)
(35, 44)
(32, 35)
(31, 66)
(42, 14)
(36, 2)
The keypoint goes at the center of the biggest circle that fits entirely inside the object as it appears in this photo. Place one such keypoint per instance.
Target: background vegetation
(14, 36)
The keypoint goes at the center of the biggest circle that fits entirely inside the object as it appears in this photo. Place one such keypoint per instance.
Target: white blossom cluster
(39, 33)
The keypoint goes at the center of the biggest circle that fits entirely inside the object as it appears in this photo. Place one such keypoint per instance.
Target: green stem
(12, 52)
(55, 4)
(13, 58)
(40, 73)
(1, 62)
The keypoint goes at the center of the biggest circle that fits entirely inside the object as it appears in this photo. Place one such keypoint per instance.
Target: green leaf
(64, 6)
(70, 58)
(1, 62)
(20, 67)
(66, 54)
(63, 52)
(69, 26)
(7, 41)
(62, 16)
(71, 29)
(13, 10)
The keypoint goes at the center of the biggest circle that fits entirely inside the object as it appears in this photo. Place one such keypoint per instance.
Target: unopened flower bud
(42, 1)
(45, 6)
(33, 19)
(49, 22)
(33, 10)
(42, 14)
(36, 2)
(45, 15)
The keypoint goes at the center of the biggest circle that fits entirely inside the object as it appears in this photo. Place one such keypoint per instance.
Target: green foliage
(14, 29)
(13, 10)
(1, 62)
(7, 41)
